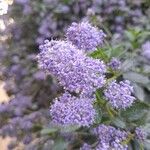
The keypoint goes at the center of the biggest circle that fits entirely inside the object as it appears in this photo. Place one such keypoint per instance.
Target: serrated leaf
(49, 130)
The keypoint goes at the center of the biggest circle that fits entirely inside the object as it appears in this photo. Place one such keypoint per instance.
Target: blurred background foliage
(28, 23)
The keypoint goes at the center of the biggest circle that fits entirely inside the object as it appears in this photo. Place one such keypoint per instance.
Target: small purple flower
(110, 138)
(114, 64)
(70, 110)
(140, 134)
(119, 94)
(86, 146)
(146, 50)
(85, 36)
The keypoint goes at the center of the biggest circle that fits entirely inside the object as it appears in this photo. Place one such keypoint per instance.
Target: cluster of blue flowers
(70, 110)
(108, 138)
(85, 36)
(140, 134)
(73, 69)
(81, 76)
(119, 94)
(30, 89)
(77, 73)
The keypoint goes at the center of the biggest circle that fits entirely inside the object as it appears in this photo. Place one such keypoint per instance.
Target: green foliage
(137, 113)
(49, 131)
(60, 144)
(100, 53)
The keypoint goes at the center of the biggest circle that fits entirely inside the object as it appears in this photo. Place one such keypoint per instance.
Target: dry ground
(3, 97)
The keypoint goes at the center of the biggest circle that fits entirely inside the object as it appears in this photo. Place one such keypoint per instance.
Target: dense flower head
(119, 94)
(146, 50)
(110, 138)
(140, 134)
(85, 36)
(73, 69)
(114, 64)
(70, 110)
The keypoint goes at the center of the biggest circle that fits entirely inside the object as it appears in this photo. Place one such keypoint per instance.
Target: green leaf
(36, 128)
(105, 120)
(118, 122)
(136, 112)
(139, 92)
(128, 64)
(136, 77)
(49, 131)
(98, 116)
(116, 51)
(60, 144)
(130, 35)
(70, 128)
(100, 54)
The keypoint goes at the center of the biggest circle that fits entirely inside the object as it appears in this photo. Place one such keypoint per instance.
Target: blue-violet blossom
(114, 64)
(85, 36)
(73, 69)
(119, 94)
(70, 110)
(110, 138)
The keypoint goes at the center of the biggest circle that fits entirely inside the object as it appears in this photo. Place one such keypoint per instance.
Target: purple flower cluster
(22, 78)
(110, 138)
(45, 30)
(17, 106)
(86, 146)
(70, 110)
(140, 134)
(73, 69)
(85, 36)
(114, 64)
(146, 50)
(17, 125)
(119, 94)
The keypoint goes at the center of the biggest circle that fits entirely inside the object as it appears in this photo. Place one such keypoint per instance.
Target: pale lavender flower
(70, 110)
(73, 69)
(114, 64)
(146, 50)
(40, 75)
(86, 146)
(140, 134)
(110, 138)
(119, 94)
(85, 36)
